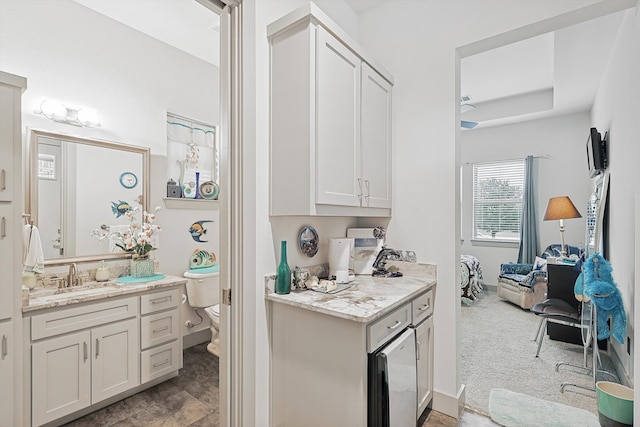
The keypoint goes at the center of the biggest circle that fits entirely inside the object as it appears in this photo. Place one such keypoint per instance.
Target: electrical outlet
(629, 346)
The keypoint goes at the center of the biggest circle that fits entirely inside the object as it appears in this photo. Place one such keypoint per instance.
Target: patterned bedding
(470, 278)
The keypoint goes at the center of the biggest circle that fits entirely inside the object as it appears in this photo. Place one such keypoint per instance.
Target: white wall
(72, 54)
(563, 174)
(616, 109)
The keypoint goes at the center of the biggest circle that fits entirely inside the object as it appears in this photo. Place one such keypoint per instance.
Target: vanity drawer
(160, 361)
(382, 330)
(150, 303)
(159, 328)
(73, 319)
(422, 307)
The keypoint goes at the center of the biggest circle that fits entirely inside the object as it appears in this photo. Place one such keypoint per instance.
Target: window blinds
(497, 200)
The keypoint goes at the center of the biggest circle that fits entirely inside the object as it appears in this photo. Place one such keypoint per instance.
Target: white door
(424, 343)
(50, 197)
(337, 127)
(375, 139)
(6, 259)
(115, 355)
(7, 350)
(60, 376)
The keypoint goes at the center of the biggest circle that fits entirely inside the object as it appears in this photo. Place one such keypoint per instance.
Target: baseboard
(452, 406)
(490, 288)
(196, 338)
(623, 375)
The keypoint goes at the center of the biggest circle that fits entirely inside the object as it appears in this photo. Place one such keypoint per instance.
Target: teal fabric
(205, 270)
(131, 279)
(528, 249)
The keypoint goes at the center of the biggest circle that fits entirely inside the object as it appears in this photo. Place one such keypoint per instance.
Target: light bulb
(53, 110)
(88, 117)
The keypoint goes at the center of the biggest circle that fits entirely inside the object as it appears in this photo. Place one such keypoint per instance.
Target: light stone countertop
(43, 298)
(366, 300)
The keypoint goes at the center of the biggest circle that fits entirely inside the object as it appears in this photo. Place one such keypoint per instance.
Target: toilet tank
(202, 289)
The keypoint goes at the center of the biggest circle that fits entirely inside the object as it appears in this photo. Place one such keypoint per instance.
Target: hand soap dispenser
(102, 273)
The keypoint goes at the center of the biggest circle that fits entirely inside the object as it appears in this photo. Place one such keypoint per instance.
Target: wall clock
(128, 179)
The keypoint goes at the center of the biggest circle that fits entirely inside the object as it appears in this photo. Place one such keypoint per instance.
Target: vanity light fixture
(58, 112)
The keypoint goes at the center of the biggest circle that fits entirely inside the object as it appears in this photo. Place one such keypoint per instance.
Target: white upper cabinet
(375, 139)
(330, 142)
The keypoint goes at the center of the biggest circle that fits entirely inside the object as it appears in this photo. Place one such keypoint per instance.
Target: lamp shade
(561, 208)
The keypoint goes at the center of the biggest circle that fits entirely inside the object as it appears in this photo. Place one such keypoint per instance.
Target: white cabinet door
(115, 359)
(375, 139)
(7, 111)
(61, 376)
(7, 281)
(7, 351)
(338, 118)
(424, 342)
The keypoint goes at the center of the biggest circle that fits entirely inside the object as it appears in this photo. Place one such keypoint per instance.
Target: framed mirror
(76, 185)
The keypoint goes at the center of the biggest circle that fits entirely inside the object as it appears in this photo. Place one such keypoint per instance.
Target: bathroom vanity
(97, 344)
(321, 346)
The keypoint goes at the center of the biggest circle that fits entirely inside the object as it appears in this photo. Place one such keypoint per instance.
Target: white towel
(33, 259)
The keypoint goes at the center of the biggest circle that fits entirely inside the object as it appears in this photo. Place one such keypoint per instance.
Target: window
(497, 200)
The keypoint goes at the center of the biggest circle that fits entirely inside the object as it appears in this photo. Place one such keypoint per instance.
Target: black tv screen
(596, 153)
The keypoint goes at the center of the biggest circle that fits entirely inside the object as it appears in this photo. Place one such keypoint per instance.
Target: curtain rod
(544, 156)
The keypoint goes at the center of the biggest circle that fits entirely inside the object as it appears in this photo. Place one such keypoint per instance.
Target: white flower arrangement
(137, 239)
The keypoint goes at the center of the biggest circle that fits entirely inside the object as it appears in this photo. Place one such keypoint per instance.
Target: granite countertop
(39, 299)
(366, 300)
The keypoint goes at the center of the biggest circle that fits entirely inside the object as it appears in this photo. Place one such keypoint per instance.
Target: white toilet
(203, 292)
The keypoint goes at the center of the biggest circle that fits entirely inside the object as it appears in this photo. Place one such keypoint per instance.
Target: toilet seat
(214, 312)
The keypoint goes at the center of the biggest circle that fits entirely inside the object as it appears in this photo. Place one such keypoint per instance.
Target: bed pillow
(540, 264)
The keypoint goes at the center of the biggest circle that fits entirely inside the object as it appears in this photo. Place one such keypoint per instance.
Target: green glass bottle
(283, 279)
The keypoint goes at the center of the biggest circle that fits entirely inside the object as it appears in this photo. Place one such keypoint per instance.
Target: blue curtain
(528, 225)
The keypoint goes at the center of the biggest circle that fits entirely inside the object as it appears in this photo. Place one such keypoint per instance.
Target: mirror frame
(31, 187)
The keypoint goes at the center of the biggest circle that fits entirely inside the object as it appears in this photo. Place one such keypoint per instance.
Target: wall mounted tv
(596, 152)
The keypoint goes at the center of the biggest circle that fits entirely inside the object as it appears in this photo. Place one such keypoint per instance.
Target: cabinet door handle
(160, 300)
(3, 180)
(366, 183)
(417, 350)
(3, 227)
(160, 329)
(360, 187)
(5, 349)
(155, 365)
(84, 349)
(398, 323)
(97, 347)
(424, 307)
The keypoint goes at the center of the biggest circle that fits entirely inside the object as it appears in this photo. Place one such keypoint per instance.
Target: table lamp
(561, 208)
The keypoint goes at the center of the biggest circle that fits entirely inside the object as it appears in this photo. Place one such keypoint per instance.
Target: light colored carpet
(511, 409)
(498, 351)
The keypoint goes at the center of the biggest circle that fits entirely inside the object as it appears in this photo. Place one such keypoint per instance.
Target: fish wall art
(198, 231)
(120, 208)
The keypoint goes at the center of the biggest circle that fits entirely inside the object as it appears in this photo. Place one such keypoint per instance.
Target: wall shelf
(183, 203)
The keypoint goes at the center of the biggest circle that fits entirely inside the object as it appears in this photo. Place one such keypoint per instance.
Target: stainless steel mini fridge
(392, 386)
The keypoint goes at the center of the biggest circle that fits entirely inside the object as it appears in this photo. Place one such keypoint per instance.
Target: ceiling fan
(464, 107)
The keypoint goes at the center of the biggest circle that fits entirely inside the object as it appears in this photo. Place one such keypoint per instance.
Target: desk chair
(559, 311)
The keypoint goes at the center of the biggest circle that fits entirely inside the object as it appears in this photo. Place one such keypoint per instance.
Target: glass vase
(142, 266)
(283, 274)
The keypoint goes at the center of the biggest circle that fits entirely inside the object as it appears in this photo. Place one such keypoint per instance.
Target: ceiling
(552, 74)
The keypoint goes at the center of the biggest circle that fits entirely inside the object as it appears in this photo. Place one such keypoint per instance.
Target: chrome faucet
(72, 278)
(379, 265)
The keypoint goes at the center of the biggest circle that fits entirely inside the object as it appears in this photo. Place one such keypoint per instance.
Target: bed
(470, 278)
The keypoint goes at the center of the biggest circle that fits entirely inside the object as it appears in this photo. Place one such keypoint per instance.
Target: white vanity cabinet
(83, 355)
(7, 345)
(330, 151)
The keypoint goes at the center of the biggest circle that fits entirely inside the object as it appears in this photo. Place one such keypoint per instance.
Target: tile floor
(191, 400)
